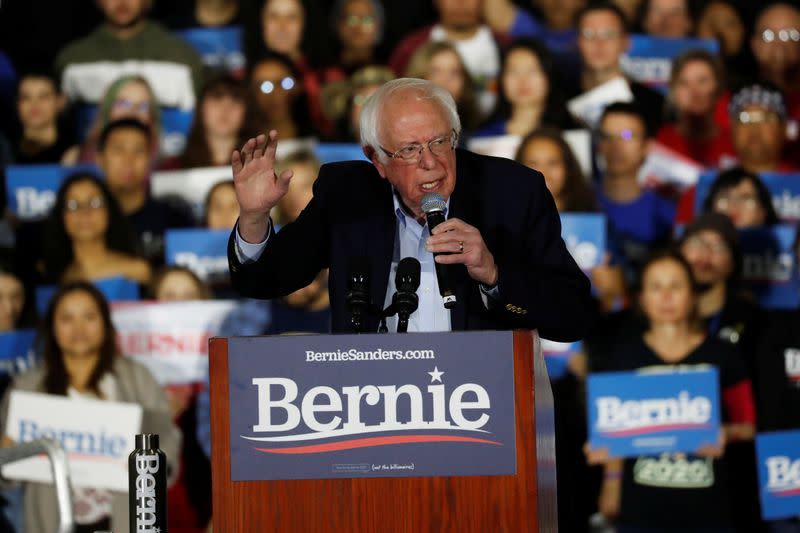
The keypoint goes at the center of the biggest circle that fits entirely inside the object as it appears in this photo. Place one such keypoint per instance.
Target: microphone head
(408, 274)
(432, 202)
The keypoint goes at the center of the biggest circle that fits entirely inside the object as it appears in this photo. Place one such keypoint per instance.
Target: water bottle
(147, 486)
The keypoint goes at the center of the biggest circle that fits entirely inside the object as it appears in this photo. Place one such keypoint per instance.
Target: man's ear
(372, 155)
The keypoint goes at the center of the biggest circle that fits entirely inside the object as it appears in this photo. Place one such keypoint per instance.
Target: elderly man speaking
(501, 241)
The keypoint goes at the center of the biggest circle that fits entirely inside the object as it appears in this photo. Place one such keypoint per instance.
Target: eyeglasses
(786, 35)
(93, 204)
(128, 106)
(600, 35)
(624, 135)
(745, 201)
(354, 20)
(757, 116)
(269, 86)
(696, 244)
(413, 152)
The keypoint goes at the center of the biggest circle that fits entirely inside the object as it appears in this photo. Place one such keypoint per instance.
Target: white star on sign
(436, 375)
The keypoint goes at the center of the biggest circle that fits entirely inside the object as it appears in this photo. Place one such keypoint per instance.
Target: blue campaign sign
(31, 189)
(343, 406)
(220, 48)
(784, 187)
(778, 456)
(646, 412)
(115, 289)
(768, 266)
(335, 152)
(557, 355)
(649, 59)
(203, 251)
(16, 351)
(585, 237)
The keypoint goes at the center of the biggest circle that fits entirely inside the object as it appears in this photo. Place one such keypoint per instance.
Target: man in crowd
(602, 40)
(638, 219)
(460, 23)
(556, 28)
(500, 241)
(776, 46)
(128, 43)
(124, 157)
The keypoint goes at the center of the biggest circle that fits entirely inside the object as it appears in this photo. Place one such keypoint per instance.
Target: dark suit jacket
(352, 215)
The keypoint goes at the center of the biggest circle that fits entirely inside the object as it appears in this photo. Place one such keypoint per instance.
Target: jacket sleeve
(540, 285)
(292, 257)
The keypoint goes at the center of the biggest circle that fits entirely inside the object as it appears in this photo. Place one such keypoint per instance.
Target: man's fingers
(448, 225)
(247, 151)
(258, 149)
(272, 144)
(236, 163)
(284, 178)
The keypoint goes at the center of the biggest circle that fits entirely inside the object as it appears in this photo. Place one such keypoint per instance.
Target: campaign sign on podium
(355, 406)
(778, 456)
(653, 411)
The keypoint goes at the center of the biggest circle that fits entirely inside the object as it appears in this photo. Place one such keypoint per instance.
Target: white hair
(370, 113)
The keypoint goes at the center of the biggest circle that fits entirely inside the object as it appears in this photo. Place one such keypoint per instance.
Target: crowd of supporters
(118, 92)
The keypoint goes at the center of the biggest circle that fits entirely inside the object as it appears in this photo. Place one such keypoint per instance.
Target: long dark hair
(733, 177)
(56, 379)
(58, 253)
(197, 152)
(577, 193)
(555, 112)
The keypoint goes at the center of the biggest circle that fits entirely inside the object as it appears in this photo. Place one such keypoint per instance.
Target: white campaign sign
(588, 107)
(170, 338)
(96, 435)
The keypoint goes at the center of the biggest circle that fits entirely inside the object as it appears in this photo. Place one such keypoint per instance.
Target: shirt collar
(400, 213)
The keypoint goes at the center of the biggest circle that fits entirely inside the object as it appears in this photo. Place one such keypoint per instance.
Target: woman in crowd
(743, 197)
(127, 97)
(222, 208)
(277, 101)
(87, 237)
(440, 62)
(81, 360)
(44, 138)
(218, 124)
(696, 93)
(546, 150)
(16, 309)
(648, 493)
(528, 93)
(720, 20)
(358, 26)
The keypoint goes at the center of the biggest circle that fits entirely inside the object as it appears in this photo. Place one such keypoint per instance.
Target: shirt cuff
(247, 252)
(487, 295)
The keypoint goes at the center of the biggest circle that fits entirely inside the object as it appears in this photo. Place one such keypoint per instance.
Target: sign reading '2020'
(420, 404)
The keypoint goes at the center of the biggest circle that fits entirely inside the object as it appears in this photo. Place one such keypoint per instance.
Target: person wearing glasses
(776, 47)
(742, 197)
(501, 237)
(602, 40)
(88, 237)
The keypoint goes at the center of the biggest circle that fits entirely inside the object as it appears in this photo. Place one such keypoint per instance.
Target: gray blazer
(135, 385)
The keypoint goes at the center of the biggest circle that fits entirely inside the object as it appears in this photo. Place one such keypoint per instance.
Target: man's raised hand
(258, 186)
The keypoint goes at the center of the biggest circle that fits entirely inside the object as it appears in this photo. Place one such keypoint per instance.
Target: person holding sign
(676, 492)
(81, 360)
(502, 238)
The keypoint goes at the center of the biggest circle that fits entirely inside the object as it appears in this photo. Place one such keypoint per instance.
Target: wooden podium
(522, 502)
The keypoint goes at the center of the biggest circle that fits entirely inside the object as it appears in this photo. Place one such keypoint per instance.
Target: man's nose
(426, 159)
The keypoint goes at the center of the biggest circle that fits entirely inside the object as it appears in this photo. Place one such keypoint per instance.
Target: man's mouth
(431, 185)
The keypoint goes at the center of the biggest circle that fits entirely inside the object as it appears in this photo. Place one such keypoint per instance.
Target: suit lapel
(380, 248)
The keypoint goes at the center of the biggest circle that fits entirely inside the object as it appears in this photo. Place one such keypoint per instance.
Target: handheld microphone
(433, 205)
(357, 299)
(405, 300)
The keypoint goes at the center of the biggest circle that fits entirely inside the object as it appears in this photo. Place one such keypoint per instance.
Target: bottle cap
(147, 441)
